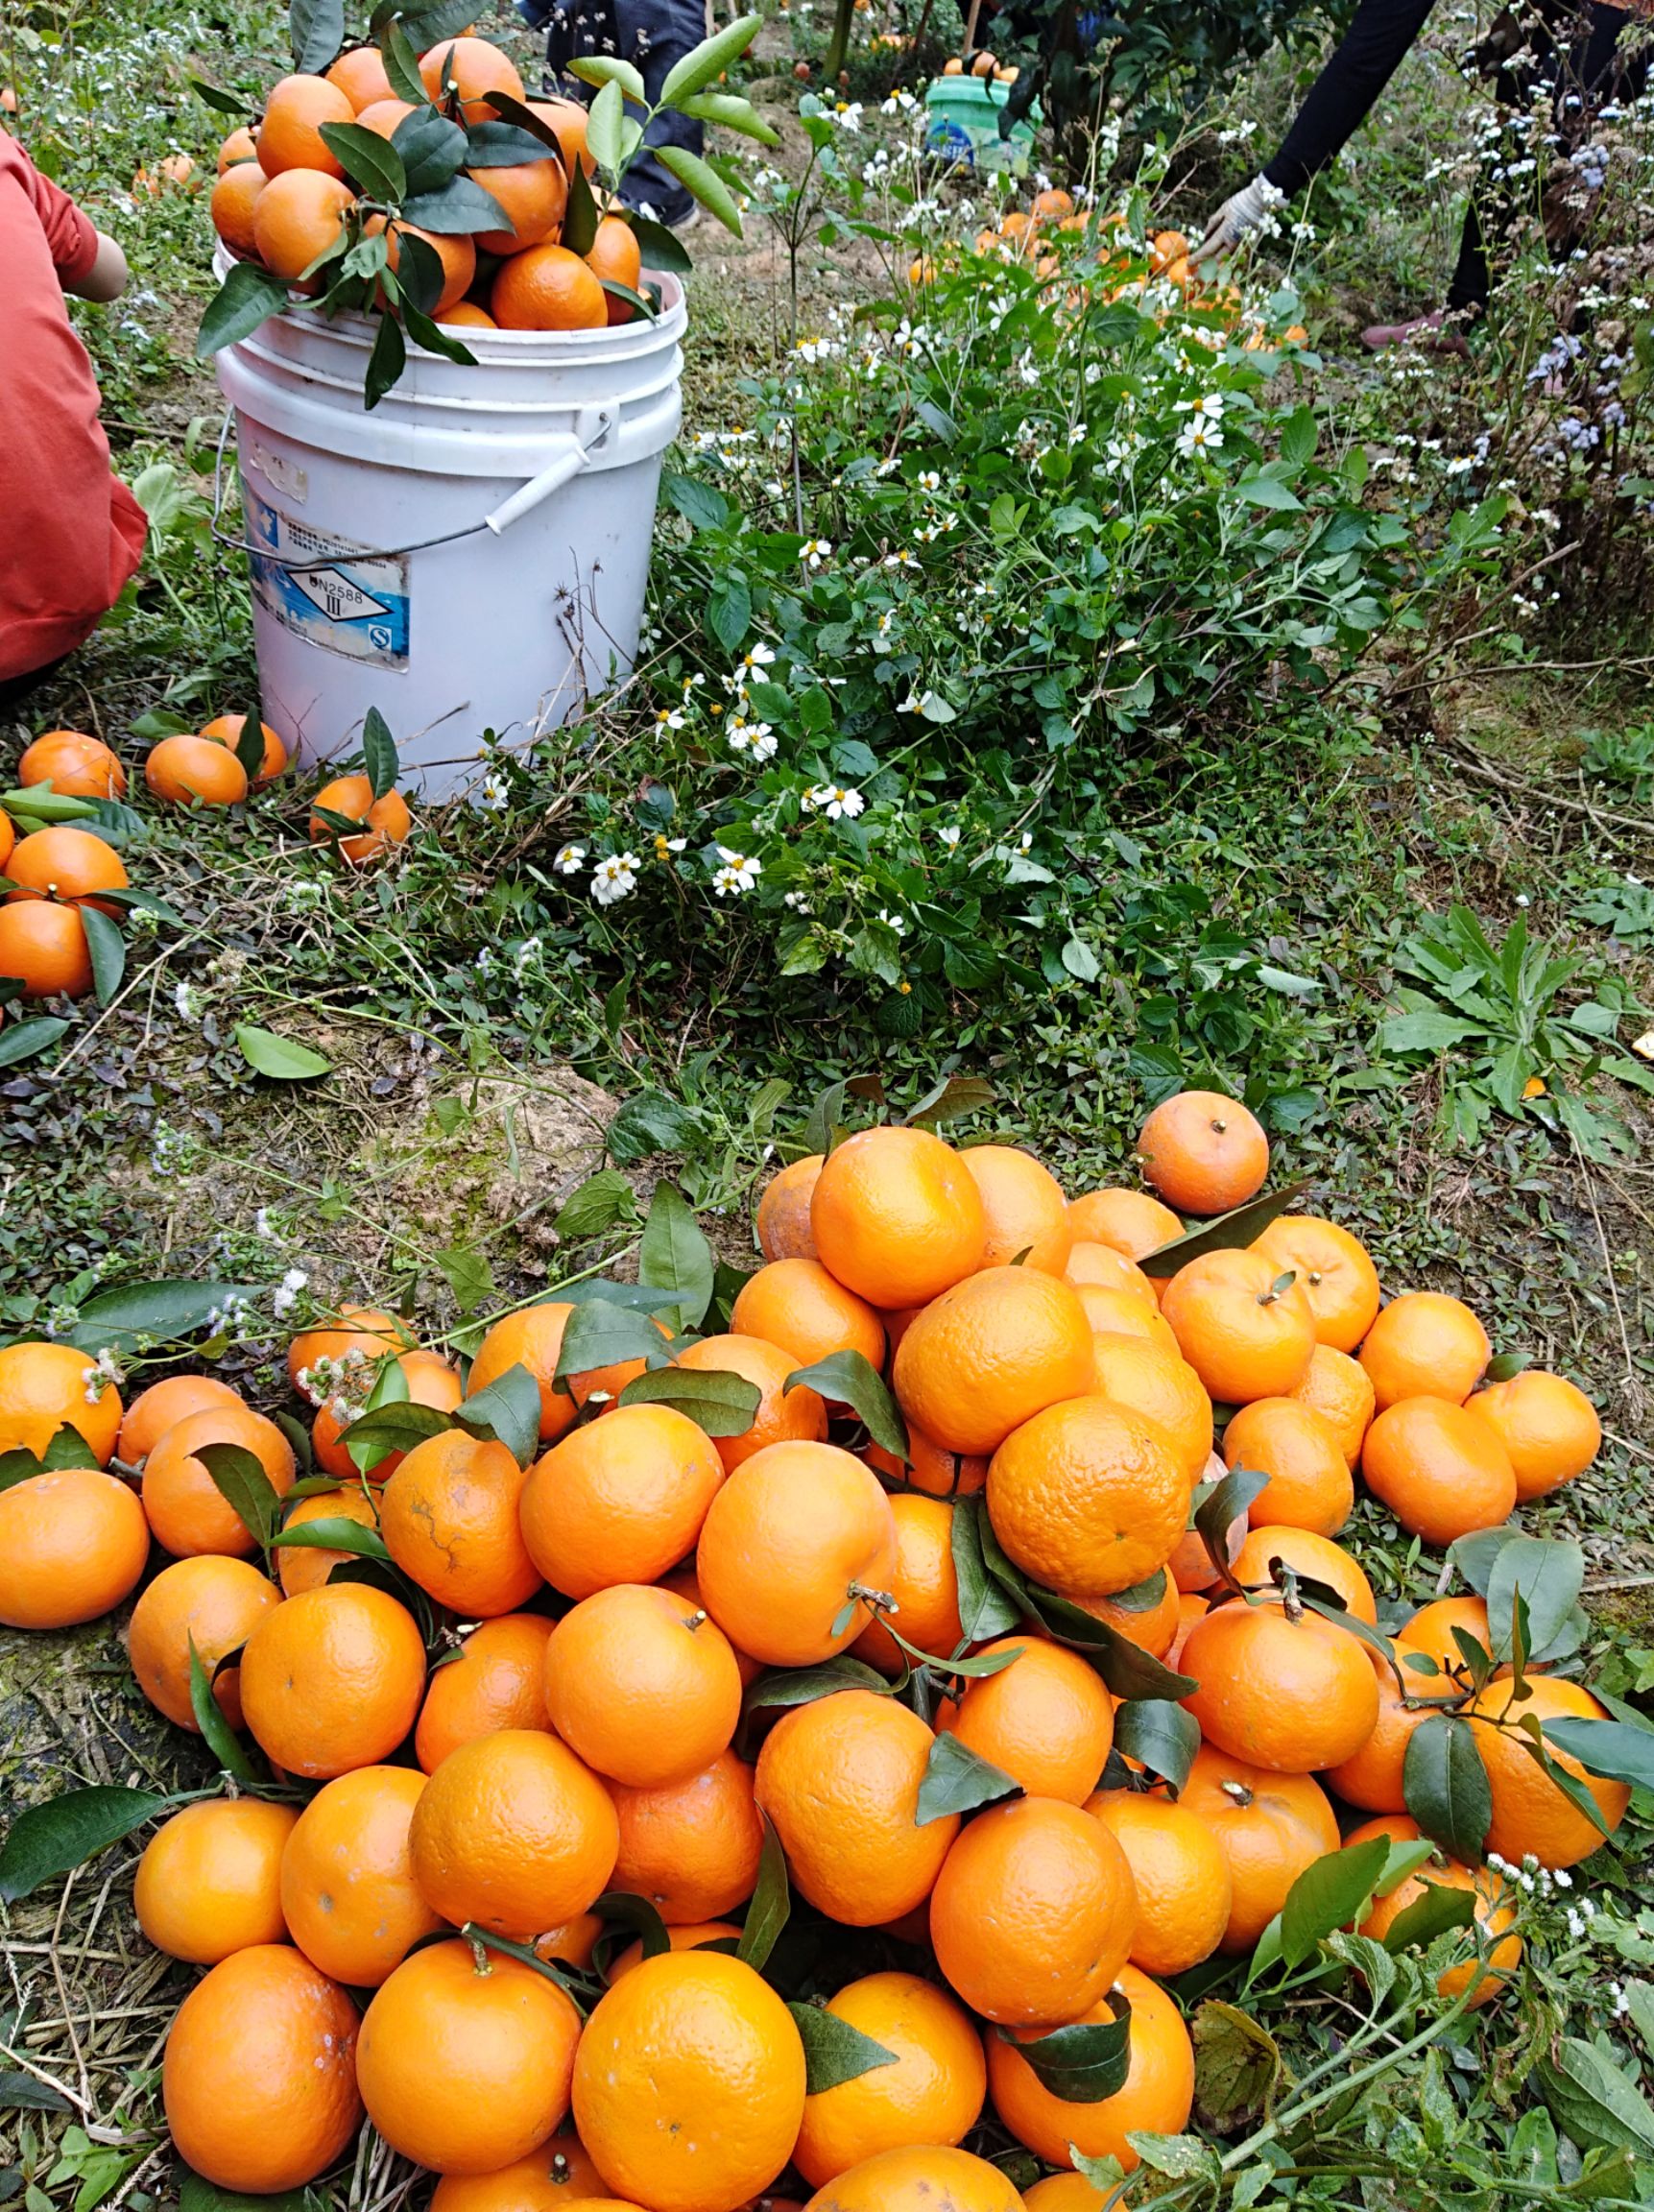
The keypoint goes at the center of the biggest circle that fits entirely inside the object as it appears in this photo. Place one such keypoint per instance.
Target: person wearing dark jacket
(653, 34)
(1570, 46)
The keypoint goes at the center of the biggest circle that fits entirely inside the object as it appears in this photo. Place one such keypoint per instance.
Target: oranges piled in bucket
(553, 1688)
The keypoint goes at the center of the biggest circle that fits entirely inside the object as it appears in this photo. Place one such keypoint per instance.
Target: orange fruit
(1130, 1220)
(186, 1511)
(1151, 1628)
(1157, 2097)
(642, 1686)
(73, 1543)
(211, 1601)
(924, 1585)
(237, 149)
(359, 73)
(469, 68)
(290, 135)
(449, 1518)
(467, 315)
(534, 195)
(193, 771)
(1316, 1556)
(1547, 1425)
(559, 2173)
(1033, 1912)
(932, 2094)
(1291, 1695)
(691, 1847)
(575, 1942)
(1530, 1812)
(1430, 1629)
(1335, 1270)
(1184, 1887)
(384, 115)
(331, 1679)
(209, 1881)
(344, 1354)
(1063, 2193)
(385, 821)
(497, 1681)
(73, 764)
(567, 120)
(689, 2083)
(931, 1468)
(1271, 1827)
(8, 839)
(1425, 1345)
(1371, 1777)
(45, 946)
(1310, 1484)
(799, 1305)
(302, 1568)
(1160, 1385)
(1045, 1719)
(696, 1935)
(547, 288)
(790, 1545)
(783, 1219)
(1495, 1912)
(897, 1216)
(458, 256)
(66, 864)
(1108, 1269)
(1244, 1337)
(1026, 1214)
(1441, 1469)
(990, 1353)
(924, 2181)
(227, 729)
(348, 1887)
(1123, 1314)
(622, 1500)
(532, 1338)
(45, 1387)
(1340, 1390)
(784, 1416)
(1088, 1498)
(840, 1778)
(259, 2079)
(1203, 1153)
(514, 1831)
(465, 2062)
(614, 257)
(157, 1409)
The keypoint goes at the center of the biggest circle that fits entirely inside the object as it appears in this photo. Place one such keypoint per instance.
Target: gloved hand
(1242, 211)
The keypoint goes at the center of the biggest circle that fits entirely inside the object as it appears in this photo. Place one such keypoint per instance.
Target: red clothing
(70, 531)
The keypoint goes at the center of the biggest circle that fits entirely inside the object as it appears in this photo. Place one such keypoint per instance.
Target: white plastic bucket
(539, 467)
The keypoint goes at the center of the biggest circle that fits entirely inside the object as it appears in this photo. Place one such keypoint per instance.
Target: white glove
(1242, 211)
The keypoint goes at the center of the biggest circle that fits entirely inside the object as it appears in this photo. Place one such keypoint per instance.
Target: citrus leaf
(402, 68)
(600, 1334)
(701, 181)
(241, 1481)
(26, 1039)
(1446, 1785)
(63, 1833)
(331, 1535)
(1230, 1232)
(1615, 1749)
(1474, 1554)
(216, 1732)
(986, 1609)
(109, 951)
(850, 1379)
(957, 1780)
(716, 1401)
(675, 1255)
(1160, 1736)
(1225, 1503)
(248, 297)
(647, 308)
(1129, 1670)
(317, 28)
(508, 1410)
(369, 161)
(278, 1057)
(835, 2052)
(1084, 2063)
(580, 220)
(628, 1917)
(660, 246)
(1430, 1916)
(706, 63)
(803, 1685)
(456, 209)
(158, 1313)
(1549, 1574)
(593, 1206)
(609, 69)
(19, 1465)
(1330, 1893)
(507, 146)
(771, 1904)
(521, 117)
(388, 1428)
(1594, 2101)
(379, 748)
(432, 149)
(734, 113)
(1506, 1364)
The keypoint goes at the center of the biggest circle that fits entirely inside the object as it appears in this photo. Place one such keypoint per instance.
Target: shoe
(678, 224)
(1426, 331)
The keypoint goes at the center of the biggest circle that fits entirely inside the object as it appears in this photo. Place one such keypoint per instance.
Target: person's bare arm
(106, 278)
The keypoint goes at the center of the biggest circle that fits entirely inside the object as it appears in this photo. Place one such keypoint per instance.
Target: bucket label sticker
(355, 603)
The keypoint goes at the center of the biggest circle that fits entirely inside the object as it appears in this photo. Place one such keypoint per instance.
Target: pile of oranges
(282, 198)
(661, 1653)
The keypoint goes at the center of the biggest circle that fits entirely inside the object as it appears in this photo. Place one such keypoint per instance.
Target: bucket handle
(592, 426)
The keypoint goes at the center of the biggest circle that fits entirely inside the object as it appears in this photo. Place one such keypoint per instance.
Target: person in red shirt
(70, 532)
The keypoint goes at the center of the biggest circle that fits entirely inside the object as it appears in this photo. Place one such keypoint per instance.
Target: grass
(473, 1080)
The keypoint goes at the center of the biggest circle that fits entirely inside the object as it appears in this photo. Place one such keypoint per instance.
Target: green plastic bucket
(964, 121)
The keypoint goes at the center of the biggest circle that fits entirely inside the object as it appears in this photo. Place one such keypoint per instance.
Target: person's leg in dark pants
(652, 35)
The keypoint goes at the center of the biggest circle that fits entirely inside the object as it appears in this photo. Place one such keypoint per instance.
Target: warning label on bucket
(341, 596)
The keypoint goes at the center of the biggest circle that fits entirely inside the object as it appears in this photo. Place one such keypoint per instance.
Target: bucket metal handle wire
(592, 427)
